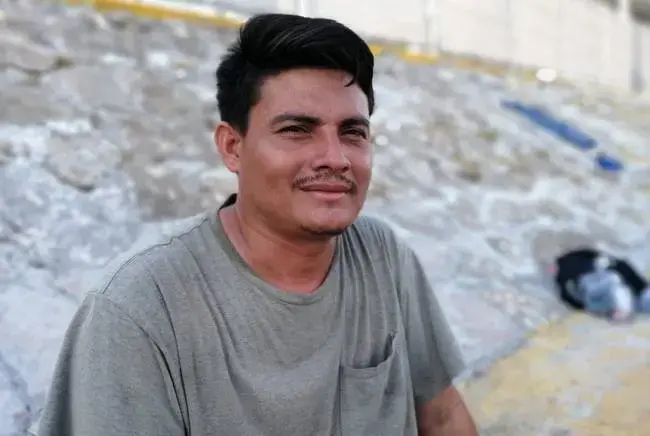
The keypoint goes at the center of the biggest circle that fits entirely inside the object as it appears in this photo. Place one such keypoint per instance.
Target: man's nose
(332, 153)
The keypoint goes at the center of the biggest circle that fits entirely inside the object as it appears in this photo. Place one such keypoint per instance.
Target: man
(282, 313)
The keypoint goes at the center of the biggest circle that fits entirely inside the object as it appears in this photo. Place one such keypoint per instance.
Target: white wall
(585, 40)
(393, 19)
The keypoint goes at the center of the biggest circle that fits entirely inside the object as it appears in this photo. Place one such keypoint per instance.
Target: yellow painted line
(164, 10)
(204, 14)
(405, 54)
(418, 58)
(377, 49)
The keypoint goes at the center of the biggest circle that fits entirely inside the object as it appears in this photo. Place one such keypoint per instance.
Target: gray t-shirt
(184, 339)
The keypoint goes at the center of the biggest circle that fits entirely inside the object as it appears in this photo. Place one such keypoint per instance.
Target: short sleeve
(110, 379)
(434, 356)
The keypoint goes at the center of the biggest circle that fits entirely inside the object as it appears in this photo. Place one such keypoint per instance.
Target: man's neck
(292, 265)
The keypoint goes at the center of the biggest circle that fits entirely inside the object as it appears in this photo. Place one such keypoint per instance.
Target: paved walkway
(580, 377)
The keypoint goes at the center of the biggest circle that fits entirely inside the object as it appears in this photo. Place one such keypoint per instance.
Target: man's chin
(323, 232)
(326, 228)
(328, 222)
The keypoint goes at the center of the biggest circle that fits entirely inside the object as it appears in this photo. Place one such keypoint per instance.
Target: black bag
(570, 266)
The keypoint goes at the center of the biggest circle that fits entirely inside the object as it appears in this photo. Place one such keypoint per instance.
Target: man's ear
(228, 141)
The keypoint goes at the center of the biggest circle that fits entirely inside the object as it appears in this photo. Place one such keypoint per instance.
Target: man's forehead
(318, 93)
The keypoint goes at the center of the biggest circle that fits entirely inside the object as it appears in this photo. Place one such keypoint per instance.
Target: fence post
(607, 35)
(302, 7)
(432, 30)
(559, 39)
(426, 45)
(633, 42)
(511, 44)
(638, 76)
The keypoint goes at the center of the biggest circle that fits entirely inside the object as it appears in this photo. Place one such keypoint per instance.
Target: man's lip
(326, 187)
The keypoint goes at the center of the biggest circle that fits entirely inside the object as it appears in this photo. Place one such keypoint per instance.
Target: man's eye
(294, 130)
(357, 133)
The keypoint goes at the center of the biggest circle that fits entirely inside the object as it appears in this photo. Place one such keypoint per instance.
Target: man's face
(306, 160)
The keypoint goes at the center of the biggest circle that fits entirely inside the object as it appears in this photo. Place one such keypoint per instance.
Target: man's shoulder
(129, 279)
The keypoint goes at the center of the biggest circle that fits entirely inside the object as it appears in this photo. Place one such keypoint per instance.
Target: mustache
(325, 177)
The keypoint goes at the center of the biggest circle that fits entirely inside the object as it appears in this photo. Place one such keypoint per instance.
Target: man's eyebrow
(315, 121)
(356, 121)
(297, 118)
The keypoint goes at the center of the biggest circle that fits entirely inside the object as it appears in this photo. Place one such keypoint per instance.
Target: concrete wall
(588, 40)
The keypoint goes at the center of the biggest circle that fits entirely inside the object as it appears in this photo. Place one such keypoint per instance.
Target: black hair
(269, 44)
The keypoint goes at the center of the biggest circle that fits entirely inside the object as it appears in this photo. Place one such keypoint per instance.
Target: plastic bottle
(605, 293)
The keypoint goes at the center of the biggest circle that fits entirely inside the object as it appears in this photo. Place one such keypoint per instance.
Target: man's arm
(110, 379)
(445, 415)
(434, 356)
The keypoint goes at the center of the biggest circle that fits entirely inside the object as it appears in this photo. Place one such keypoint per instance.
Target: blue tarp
(564, 131)
(608, 163)
(546, 120)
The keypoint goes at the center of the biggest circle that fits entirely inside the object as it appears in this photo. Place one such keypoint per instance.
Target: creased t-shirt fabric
(183, 338)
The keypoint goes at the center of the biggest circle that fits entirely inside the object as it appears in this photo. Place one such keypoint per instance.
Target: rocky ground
(105, 126)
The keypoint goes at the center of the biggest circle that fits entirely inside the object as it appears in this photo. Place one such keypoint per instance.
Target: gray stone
(13, 412)
(81, 161)
(7, 152)
(24, 55)
(88, 87)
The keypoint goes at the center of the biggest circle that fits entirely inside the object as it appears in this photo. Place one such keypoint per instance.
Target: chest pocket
(377, 400)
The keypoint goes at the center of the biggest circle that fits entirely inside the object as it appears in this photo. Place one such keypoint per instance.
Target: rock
(27, 56)
(159, 59)
(471, 172)
(81, 161)
(12, 410)
(220, 181)
(91, 87)
(6, 151)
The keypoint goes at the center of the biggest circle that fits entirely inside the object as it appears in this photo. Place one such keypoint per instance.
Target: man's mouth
(330, 191)
(327, 187)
